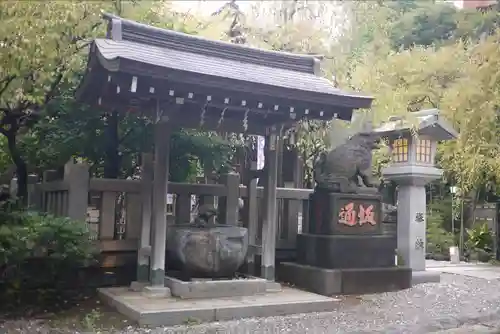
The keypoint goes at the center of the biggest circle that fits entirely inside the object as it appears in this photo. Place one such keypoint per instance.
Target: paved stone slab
(172, 311)
(478, 270)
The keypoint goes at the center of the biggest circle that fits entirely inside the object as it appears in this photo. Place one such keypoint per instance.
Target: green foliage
(479, 237)
(111, 143)
(312, 139)
(91, 319)
(409, 80)
(447, 66)
(442, 208)
(437, 41)
(41, 47)
(50, 242)
(439, 240)
(65, 129)
(5, 160)
(471, 103)
(425, 25)
(473, 24)
(190, 147)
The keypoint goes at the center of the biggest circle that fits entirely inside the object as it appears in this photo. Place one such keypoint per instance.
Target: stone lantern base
(412, 209)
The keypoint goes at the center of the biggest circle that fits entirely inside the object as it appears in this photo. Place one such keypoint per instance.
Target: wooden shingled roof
(276, 86)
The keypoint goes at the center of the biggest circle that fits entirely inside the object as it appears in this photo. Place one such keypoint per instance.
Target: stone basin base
(329, 282)
(173, 311)
(206, 288)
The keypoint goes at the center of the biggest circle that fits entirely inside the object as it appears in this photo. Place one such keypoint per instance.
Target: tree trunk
(112, 159)
(21, 168)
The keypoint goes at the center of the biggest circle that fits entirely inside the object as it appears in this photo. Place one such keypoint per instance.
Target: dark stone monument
(345, 249)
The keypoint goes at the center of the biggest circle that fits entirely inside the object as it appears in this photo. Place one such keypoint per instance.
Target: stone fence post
(45, 202)
(78, 178)
(229, 205)
(33, 194)
(13, 187)
(50, 175)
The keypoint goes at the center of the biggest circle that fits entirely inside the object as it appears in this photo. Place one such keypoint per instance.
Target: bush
(39, 249)
(480, 242)
(439, 240)
(443, 209)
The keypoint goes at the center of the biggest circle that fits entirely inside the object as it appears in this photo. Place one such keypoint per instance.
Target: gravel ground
(457, 302)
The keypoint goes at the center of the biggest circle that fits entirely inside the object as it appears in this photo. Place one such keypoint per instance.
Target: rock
(207, 251)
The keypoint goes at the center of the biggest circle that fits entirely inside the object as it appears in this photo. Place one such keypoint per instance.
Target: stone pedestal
(330, 282)
(411, 230)
(333, 213)
(345, 251)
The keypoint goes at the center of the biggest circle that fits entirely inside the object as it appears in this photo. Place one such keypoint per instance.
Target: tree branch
(7, 81)
(76, 39)
(51, 92)
(129, 132)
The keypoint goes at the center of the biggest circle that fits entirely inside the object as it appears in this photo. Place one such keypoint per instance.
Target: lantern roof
(429, 123)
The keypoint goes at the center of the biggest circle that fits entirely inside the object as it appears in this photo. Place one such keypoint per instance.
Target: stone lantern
(413, 149)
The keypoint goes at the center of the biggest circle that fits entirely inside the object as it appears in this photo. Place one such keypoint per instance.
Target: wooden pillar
(146, 199)
(159, 215)
(251, 218)
(294, 208)
(270, 218)
(280, 148)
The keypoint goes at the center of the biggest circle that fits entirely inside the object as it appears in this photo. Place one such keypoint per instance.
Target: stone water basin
(207, 251)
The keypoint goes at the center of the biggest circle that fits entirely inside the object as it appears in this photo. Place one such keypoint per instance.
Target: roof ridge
(124, 29)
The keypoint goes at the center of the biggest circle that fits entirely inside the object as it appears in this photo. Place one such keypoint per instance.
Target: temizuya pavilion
(192, 82)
